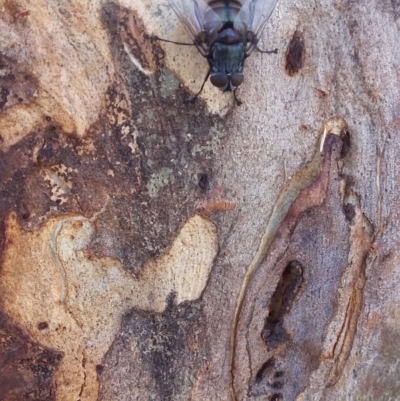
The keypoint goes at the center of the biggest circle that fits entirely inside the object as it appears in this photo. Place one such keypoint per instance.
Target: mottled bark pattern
(153, 249)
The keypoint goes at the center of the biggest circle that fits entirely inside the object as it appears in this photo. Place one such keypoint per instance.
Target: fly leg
(275, 51)
(193, 99)
(252, 44)
(175, 43)
(238, 102)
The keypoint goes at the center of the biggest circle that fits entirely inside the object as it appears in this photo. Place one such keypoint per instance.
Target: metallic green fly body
(225, 32)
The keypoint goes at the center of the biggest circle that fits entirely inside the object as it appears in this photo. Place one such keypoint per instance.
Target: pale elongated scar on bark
(301, 181)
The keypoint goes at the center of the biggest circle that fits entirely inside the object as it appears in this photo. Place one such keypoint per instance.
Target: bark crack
(361, 238)
(306, 189)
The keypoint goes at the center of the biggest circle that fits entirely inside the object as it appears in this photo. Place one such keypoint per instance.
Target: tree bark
(155, 249)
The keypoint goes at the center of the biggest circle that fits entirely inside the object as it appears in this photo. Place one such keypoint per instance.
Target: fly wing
(201, 22)
(251, 20)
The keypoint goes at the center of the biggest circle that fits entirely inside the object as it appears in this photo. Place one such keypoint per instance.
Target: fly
(225, 32)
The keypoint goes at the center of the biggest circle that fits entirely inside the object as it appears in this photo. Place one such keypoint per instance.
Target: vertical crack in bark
(306, 189)
(342, 329)
(84, 375)
(379, 159)
(58, 261)
(361, 237)
(273, 332)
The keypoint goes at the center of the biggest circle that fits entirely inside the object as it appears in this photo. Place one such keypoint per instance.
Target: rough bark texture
(118, 280)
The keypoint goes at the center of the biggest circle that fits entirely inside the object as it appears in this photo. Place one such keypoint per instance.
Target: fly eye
(236, 79)
(219, 80)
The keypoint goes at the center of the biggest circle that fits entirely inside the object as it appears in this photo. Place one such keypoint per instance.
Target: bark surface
(154, 249)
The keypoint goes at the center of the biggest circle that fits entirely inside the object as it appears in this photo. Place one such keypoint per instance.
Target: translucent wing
(201, 22)
(251, 20)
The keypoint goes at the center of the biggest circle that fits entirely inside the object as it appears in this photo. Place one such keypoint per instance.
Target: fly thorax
(227, 57)
(226, 63)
